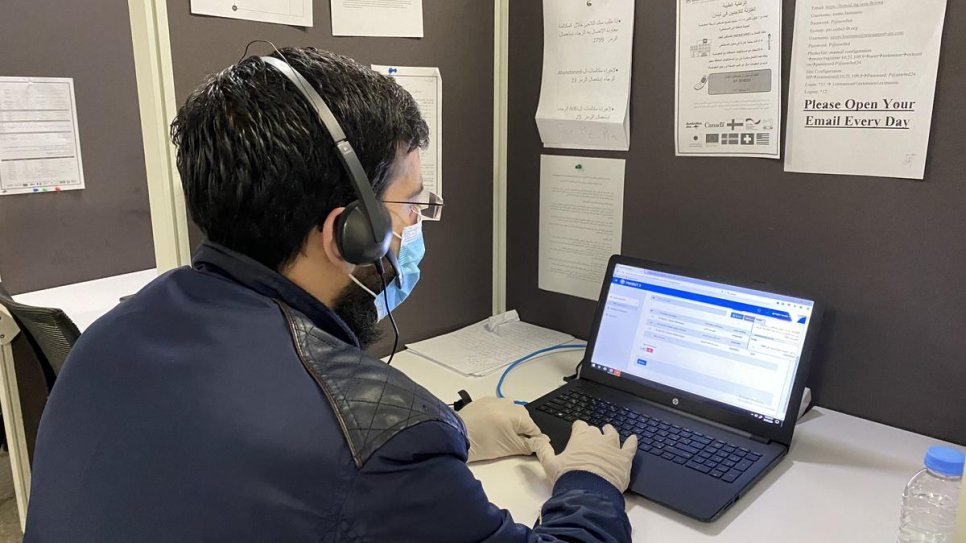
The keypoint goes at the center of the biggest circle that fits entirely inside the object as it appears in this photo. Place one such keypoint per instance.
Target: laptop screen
(734, 345)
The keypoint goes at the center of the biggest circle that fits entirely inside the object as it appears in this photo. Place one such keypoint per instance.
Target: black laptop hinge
(759, 439)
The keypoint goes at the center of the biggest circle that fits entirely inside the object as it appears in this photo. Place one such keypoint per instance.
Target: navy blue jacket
(224, 403)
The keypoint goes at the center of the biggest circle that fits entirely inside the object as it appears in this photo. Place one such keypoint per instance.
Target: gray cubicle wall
(887, 256)
(58, 238)
(456, 274)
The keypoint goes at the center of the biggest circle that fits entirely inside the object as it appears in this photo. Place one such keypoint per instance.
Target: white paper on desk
(286, 12)
(862, 85)
(585, 89)
(39, 142)
(426, 87)
(728, 95)
(484, 347)
(581, 217)
(393, 18)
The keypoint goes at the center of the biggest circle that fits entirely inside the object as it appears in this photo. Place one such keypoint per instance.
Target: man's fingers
(630, 446)
(523, 424)
(541, 446)
(611, 437)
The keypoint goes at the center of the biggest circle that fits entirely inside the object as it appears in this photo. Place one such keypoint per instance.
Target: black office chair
(39, 351)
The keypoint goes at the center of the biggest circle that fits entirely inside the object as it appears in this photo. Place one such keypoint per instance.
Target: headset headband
(357, 174)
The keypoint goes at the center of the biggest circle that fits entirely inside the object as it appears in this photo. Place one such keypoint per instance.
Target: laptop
(707, 371)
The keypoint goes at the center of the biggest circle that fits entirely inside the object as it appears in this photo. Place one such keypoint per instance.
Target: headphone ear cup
(355, 239)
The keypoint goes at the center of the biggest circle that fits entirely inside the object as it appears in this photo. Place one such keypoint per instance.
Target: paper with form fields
(581, 217)
(586, 84)
(861, 87)
(286, 12)
(484, 347)
(728, 96)
(39, 143)
(392, 18)
(426, 87)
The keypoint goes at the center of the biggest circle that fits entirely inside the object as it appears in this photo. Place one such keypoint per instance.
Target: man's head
(262, 177)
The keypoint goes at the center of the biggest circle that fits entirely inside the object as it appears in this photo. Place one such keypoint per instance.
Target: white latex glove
(497, 427)
(591, 450)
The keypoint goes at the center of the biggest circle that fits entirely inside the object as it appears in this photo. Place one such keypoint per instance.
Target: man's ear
(328, 243)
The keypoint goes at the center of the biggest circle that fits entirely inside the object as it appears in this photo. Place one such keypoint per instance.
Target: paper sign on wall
(426, 87)
(586, 84)
(581, 217)
(862, 86)
(39, 142)
(392, 18)
(728, 96)
(286, 12)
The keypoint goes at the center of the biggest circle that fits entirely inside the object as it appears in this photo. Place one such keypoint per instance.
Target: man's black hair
(259, 170)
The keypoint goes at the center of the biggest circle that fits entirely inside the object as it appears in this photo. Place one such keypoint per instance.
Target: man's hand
(591, 450)
(497, 427)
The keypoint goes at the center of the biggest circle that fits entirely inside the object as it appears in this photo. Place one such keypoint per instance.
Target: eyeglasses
(428, 204)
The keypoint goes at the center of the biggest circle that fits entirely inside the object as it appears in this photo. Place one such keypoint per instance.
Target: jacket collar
(267, 282)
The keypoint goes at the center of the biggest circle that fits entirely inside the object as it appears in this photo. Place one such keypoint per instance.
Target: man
(233, 401)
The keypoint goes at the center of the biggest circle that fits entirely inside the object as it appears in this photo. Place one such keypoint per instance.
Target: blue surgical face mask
(411, 252)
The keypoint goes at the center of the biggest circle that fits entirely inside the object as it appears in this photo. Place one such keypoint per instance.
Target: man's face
(356, 306)
(406, 186)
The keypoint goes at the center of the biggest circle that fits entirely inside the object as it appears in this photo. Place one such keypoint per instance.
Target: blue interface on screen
(730, 344)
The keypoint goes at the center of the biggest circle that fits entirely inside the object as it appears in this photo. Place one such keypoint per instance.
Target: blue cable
(518, 361)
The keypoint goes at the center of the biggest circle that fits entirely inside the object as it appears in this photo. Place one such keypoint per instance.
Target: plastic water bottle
(930, 499)
(960, 536)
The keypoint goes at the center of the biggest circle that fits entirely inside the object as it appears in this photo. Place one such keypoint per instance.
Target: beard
(357, 308)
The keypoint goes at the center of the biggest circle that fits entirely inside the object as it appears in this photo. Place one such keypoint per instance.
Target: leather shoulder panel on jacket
(372, 401)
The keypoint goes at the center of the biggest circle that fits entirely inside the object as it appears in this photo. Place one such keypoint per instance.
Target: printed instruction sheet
(862, 85)
(39, 143)
(389, 18)
(426, 87)
(581, 217)
(484, 347)
(285, 12)
(728, 95)
(586, 84)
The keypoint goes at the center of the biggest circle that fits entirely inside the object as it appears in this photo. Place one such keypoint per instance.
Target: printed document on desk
(426, 87)
(484, 347)
(586, 84)
(862, 85)
(728, 96)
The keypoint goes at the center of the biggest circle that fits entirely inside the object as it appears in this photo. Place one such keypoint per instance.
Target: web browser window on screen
(734, 345)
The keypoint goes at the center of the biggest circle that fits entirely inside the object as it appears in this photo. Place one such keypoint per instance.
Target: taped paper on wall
(586, 84)
(862, 85)
(285, 12)
(728, 95)
(581, 217)
(387, 18)
(39, 142)
(426, 87)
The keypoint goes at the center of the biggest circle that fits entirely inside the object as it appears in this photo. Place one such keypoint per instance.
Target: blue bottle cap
(945, 461)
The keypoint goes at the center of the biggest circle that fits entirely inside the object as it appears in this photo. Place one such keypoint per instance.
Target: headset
(363, 231)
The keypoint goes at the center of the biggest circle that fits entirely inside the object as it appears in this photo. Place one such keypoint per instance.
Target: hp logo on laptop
(675, 401)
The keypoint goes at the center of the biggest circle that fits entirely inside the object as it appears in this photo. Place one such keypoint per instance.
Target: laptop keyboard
(703, 453)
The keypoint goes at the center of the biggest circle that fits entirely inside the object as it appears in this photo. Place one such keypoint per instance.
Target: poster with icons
(728, 95)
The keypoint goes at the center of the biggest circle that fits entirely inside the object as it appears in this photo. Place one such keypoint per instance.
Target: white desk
(86, 302)
(841, 481)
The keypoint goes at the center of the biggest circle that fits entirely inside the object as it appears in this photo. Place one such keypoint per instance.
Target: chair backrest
(46, 337)
(51, 332)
